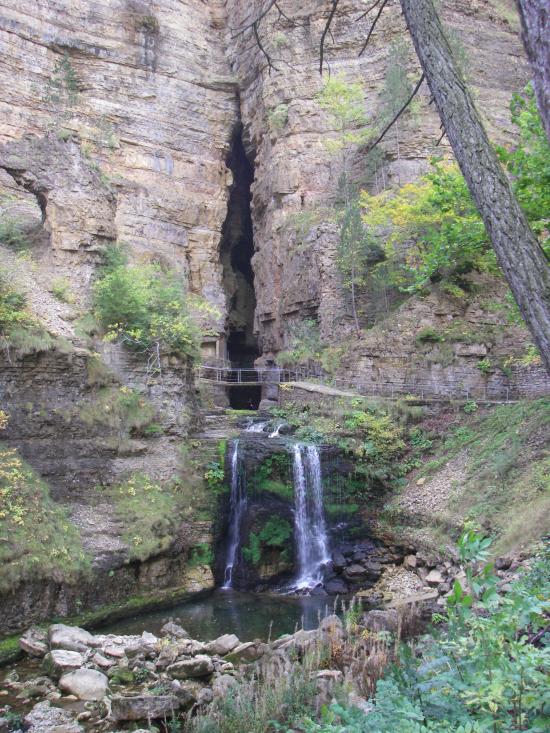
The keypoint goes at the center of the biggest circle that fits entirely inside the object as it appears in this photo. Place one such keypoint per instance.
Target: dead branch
(324, 34)
(373, 26)
(397, 116)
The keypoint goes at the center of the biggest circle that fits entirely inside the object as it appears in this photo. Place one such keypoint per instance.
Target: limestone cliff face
(287, 132)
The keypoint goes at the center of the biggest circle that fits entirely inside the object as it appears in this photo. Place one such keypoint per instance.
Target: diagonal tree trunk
(520, 256)
(535, 22)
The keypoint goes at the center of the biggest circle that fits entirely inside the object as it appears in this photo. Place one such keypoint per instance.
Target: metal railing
(417, 389)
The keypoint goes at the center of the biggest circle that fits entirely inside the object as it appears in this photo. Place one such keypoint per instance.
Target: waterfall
(237, 504)
(309, 519)
(256, 427)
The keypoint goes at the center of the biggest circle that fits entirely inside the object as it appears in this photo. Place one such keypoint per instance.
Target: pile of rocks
(103, 682)
(357, 566)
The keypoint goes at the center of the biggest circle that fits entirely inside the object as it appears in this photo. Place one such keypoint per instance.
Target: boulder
(59, 661)
(86, 684)
(72, 638)
(222, 685)
(120, 675)
(381, 620)
(34, 642)
(410, 562)
(250, 651)
(173, 630)
(44, 718)
(339, 562)
(143, 707)
(434, 578)
(355, 572)
(336, 586)
(223, 645)
(199, 666)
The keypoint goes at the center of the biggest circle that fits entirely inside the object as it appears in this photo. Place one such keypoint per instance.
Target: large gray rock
(223, 645)
(86, 684)
(434, 577)
(44, 718)
(355, 572)
(59, 661)
(222, 686)
(72, 638)
(143, 707)
(249, 651)
(199, 666)
(34, 641)
(381, 620)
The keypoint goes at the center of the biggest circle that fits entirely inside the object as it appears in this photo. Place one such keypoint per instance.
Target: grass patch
(148, 511)
(122, 409)
(37, 539)
(10, 651)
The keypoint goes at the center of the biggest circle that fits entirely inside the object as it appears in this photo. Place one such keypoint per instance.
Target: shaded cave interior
(236, 252)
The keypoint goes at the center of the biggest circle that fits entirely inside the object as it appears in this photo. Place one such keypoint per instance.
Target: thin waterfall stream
(311, 537)
(237, 505)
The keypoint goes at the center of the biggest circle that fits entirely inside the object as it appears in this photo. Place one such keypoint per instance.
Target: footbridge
(424, 390)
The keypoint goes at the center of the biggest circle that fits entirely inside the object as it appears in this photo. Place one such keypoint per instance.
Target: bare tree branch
(324, 34)
(397, 116)
(373, 26)
(262, 47)
(368, 10)
(256, 21)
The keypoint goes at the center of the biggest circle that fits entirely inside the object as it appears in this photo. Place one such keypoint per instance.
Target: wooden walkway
(429, 390)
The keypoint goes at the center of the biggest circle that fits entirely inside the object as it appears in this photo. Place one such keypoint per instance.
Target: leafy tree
(144, 306)
(355, 249)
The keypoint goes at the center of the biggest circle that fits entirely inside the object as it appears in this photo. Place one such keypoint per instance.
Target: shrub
(61, 289)
(144, 306)
(429, 335)
(11, 230)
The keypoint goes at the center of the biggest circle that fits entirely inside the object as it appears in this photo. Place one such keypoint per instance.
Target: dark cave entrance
(236, 252)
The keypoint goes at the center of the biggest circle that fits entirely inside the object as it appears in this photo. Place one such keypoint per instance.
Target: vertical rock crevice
(236, 253)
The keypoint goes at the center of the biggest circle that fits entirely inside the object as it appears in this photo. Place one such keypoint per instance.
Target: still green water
(248, 615)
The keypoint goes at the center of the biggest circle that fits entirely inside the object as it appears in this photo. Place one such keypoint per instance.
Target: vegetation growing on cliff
(144, 306)
(37, 539)
(275, 534)
(491, 466)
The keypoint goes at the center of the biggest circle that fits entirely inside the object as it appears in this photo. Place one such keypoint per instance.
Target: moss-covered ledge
(194, 587)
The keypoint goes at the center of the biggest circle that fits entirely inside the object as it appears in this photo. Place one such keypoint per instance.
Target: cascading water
(309, 521)
(237, 505)
(256, 427)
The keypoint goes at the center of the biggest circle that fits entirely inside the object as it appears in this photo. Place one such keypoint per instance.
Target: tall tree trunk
(535, 23)
(519, 254)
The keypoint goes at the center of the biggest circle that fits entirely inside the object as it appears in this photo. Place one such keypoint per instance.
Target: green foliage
(435, 231)
(61, 289)
(484, 675)
(61, 91)
(202, 554)
(428, 335)
(470, 406)
(356, 249)
(344, 101)
(438, 222)
(528, 163)
(37, 537)
(363, 431)
(12, 233)
(214, 477)
(274, 534)
(143, 306)
(305, 345)
(12, 306)
(398, 86)
(485, 366)
(147, 511)
(273, 476)
(120, 408)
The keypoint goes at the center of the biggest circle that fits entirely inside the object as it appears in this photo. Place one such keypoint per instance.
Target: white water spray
(237, 504)
(309, 520)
